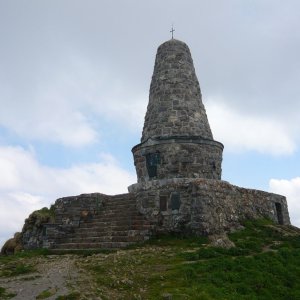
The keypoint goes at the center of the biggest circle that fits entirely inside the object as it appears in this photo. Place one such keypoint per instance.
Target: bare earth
(56, 274)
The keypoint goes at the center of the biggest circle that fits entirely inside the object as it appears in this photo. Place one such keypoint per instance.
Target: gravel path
(56, 274)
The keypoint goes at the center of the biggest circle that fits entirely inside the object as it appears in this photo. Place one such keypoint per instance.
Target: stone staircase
(96, 221)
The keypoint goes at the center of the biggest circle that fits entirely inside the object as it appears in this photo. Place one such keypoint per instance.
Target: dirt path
(55, 276)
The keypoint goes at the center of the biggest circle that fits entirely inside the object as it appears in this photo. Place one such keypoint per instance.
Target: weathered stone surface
(176, 127)
(179, 187)
(206, 206)
(175, 106)
(220, 240)
(180, 158)
(12, 245)
(33, 232)
(96, 221)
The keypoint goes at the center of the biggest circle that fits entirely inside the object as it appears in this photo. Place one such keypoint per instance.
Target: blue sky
(74, 82)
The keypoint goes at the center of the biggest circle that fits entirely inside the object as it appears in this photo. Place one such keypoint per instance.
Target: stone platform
(179, 167)
(181, 205)
(95, 221)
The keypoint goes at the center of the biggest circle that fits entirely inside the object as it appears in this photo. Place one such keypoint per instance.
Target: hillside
(265, 264)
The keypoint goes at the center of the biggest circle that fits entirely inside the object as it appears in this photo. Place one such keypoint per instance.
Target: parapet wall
(181, 205)
(178, 157)
(205, 207)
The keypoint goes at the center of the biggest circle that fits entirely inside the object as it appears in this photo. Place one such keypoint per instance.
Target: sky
(74, 84)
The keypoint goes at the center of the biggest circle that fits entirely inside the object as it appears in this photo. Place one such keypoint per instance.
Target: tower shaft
(176, 141)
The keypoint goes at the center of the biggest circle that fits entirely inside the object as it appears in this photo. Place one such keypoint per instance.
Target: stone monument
(178, 165)
(177, 141)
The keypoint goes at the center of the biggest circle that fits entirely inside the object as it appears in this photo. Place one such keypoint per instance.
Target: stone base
(178, 157)
(180, 205)
(203, 206)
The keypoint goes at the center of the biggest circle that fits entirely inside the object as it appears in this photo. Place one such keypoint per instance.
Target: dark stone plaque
(152, 160)
(175, 201)
(163, 203)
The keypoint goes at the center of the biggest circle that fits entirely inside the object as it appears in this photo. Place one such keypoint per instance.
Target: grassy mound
(265, 264)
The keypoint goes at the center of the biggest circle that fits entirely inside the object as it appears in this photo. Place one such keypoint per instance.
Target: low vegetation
(4, 294)
(265, 264)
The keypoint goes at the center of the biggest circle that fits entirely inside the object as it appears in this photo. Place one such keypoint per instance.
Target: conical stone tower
(177, 141)
(179, 187)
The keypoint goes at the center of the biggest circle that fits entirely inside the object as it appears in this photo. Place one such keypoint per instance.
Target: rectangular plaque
(152, 160)
(163, 203)
(175, 201)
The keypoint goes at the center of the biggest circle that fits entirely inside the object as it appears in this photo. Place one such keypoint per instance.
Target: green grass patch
(15, 269)
(46, 294)
(81, 252)
(71, 296)
(175, 240)
(265, 264)
(20, 263)
(24, 254)
(5, 295)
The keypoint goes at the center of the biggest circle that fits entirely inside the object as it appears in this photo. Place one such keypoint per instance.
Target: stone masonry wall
(70, 212)
(179, 158)
(94, 221)
(205, 207)
(175, 105)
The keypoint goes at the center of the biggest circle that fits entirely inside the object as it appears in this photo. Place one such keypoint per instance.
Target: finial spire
(172, 31)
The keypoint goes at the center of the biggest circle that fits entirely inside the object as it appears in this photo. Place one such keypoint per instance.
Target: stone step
(110, 207)
(105, 213)
(121, 198)
(104, 218)
(105, 238)
(101, 245)
(107, 232)
(113, 228)
(101, 216)
(103, 232)
(125, 210)
(106, 204)
(113, 223)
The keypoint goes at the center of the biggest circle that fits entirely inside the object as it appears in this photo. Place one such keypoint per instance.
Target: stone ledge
(178, 139)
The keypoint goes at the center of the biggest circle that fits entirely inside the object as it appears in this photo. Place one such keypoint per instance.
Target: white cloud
(290, 189)
(26, 185)
(66, 102)
(248, 132)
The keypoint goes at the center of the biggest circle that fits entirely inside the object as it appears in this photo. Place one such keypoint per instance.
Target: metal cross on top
(172, 30)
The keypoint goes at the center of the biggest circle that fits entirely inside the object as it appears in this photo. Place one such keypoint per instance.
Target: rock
(12, 245)
(33, 229)
(220, 240)
(167, 296)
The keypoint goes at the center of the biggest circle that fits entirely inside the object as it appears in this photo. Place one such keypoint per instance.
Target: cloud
(46, 108)
(26, 185)
(68, 103)
(290, 189)
(240, 132)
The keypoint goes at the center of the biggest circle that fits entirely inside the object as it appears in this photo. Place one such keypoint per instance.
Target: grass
(71, 296)
(20, 263)
(15, 269)
(24, 254)
(4, 294)
(80, 252)
(46, 294)
(265, 264)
